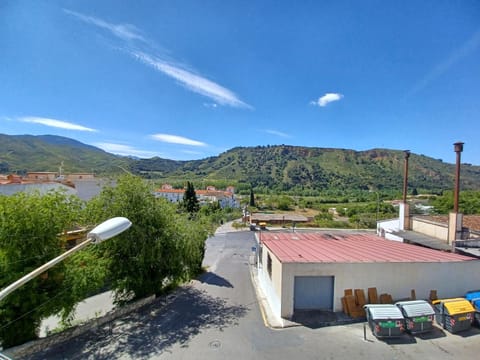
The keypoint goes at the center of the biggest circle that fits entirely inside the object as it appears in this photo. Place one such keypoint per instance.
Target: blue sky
(190, 79)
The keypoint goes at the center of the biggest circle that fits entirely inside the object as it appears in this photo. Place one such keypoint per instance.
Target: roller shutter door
(313, 292)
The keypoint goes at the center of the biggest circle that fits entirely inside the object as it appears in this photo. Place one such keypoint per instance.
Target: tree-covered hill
(272, 168)
(296, 168)
(22, 153)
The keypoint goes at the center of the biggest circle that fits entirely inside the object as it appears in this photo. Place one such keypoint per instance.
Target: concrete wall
(272, 286)
(386, 227)
(276, 279)
(11, 189)
(87, 189)
(455, 221)
(439, 231)
(450, 279)
(41, 175)
(269, 290)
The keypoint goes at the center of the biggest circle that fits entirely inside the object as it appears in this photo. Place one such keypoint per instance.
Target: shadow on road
(315, 319)
(214, 279)
(468, 333)
(401, 340)
(435, 333)
(152, 329)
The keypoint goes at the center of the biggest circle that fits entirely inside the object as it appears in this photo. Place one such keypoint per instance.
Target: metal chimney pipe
(405, 176)
(458, 148)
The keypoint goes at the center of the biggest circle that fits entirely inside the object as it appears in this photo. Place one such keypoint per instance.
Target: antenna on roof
(60, 171)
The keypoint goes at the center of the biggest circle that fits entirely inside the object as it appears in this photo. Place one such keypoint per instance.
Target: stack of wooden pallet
(386, 299)
(374, 299)
(353, 301)
(372, 295)
(353, 304)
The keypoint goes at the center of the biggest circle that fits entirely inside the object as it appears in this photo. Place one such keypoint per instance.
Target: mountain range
(276, 167)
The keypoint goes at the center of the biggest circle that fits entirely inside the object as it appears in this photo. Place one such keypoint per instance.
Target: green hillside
(22, 153)
(295, 169)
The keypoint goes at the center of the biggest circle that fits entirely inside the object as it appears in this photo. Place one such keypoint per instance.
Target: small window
(269, 265)
(260, 254)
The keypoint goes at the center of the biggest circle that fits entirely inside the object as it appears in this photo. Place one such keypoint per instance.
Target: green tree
(469, 202)
(252, 198)
(162, 247)
(85, 274)
(190, 201)
(30, 235)
(284, 203)
(367, 215)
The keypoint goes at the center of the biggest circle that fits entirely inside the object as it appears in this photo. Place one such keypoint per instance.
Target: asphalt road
(218, 317)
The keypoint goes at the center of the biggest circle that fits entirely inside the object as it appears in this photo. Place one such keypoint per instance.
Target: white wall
(435, 230)
(450, 279)
(89, 188)
(386, 227)
(43, 188)
(269, 291)
(271, 286)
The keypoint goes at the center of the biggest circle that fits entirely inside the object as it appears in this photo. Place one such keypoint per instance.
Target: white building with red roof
(209, 195)
(302, 271)
(83, 185)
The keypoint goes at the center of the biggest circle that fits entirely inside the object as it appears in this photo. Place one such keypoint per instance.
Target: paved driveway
(218, 317)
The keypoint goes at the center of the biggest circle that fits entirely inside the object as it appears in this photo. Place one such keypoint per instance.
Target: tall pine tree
(190, 201)
(252, 198)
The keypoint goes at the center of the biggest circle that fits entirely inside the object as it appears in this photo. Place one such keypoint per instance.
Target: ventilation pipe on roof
(458, 147)
(404, 213)
(405, 176)
(455, 220)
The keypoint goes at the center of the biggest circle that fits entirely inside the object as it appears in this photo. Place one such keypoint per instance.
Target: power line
(34, 309)
(9, 262)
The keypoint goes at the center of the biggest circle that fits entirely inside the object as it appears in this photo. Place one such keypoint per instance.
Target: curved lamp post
(104, 231)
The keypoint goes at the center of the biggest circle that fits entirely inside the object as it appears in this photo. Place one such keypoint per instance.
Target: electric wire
(33, 310)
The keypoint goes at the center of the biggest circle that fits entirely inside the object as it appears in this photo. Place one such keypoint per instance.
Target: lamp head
(110, 228)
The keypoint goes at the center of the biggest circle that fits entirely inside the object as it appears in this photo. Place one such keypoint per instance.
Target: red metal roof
(349, 248)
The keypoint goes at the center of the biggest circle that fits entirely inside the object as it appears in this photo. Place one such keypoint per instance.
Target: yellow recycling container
(454, 314)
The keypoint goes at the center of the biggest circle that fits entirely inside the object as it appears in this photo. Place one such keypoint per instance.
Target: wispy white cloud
(126, 32)
(174, 139)
(277, 133)
(466, 49)
(326, 99)
(125, 150)
(210, 105)
(191, 81)
(55, 123)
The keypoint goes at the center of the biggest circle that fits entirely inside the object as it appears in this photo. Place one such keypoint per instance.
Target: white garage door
(313, 292)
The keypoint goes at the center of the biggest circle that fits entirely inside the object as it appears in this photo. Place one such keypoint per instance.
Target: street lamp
(104, 231)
